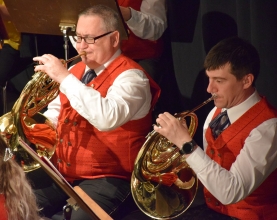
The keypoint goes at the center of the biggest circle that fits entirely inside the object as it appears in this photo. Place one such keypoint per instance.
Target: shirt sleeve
(256, 161)
(53, 111)
(129, 98)
(151, 21)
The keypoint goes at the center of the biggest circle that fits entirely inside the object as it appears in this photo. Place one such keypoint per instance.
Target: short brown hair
(242, 56)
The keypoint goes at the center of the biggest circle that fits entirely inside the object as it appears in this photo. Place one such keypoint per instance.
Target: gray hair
(109, 16)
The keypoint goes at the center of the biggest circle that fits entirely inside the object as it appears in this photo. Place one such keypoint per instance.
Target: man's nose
(83, 43)
(211, 88)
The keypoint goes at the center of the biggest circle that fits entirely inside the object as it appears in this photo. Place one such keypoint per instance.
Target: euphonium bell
(162, 183)
(25, 120)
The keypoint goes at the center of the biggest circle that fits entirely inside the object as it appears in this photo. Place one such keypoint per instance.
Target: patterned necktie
(219, 123)
(89, 75)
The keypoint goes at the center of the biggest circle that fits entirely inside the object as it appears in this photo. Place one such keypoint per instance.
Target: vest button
(66, 120)
(69, 143)
(208, 199)
(219, 154)
(68, 164)
(59, 160)
(61, 140)
(217, 203)
(75, 123)
(212, 151)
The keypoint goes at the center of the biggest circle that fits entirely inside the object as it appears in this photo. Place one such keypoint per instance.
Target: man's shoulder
(126, 62)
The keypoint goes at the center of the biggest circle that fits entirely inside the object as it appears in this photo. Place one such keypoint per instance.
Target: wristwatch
(188, 147)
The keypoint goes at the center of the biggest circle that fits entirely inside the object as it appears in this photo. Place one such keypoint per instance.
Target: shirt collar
(237, 111)
(100, 69)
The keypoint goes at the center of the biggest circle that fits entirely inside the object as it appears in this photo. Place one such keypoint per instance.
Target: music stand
(3, 36)
(55, 17)
(77, 196)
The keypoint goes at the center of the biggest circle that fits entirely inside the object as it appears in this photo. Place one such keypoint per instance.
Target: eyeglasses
(89, 40)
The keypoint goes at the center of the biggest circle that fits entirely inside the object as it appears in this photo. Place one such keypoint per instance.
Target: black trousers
(113, 195)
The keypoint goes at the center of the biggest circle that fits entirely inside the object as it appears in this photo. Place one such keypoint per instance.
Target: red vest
(84, 152)
(262, 203)
(135, 47)
(3, 210)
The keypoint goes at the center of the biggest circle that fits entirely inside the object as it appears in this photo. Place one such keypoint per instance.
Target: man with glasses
(102, 115)
(146, 21)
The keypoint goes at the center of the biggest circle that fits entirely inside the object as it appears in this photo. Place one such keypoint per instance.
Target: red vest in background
(262, 203)
(83, 152)
(135, 47)
(3, 210)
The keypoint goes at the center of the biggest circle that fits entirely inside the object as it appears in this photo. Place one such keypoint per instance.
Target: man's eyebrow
(217, 77)
(86, 35)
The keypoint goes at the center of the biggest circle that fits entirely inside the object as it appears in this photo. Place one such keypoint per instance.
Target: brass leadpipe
(83, 53)
(183, 114)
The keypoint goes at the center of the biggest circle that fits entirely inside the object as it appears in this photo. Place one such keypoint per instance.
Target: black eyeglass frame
(94, 38)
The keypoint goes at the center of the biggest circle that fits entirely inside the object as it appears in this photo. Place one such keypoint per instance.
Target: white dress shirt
(255, 162)
(151, 21)
(148, 23)
(129, 98)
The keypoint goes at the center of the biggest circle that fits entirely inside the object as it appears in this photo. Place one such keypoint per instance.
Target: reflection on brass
(26, 121)
(162, 183)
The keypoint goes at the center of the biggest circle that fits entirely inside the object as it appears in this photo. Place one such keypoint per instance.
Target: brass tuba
(25, 121)
(162, 183)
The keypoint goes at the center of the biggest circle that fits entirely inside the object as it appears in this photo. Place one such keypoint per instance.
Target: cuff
(198, 160)
(134, 17)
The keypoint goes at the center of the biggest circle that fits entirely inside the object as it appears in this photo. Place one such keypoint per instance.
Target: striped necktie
(219, 123)
(89, 75)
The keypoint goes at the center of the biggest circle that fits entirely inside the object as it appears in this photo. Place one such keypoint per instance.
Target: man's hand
(52, 66)
(173, 129)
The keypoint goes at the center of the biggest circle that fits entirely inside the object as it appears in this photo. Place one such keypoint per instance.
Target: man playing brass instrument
(239, 161)
(101, 122)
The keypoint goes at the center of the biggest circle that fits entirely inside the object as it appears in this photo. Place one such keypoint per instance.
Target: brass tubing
(183, 114)
(83, 53)
(161, 176)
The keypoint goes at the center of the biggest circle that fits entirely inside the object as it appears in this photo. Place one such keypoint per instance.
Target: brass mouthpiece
(214, 95)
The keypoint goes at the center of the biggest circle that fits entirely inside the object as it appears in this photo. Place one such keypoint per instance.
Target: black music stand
(55, 17)
(78, 198)
(3, 36)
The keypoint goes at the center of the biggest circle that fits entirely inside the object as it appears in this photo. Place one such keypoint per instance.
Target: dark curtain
(197, 25)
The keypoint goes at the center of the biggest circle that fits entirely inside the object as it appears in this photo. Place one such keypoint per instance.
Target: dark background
(194, 26)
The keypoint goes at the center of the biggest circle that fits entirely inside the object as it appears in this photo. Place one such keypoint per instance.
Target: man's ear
(115, 38)
(248, 80)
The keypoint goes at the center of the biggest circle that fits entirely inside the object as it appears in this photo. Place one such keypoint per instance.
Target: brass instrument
(162, 183)
(25, 121)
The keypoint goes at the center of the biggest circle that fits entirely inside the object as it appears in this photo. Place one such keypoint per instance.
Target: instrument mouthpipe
(83, 53)
(183, 114)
